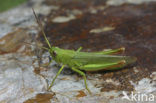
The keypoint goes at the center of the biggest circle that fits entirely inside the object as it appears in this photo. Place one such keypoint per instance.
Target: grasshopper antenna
(41, 27)
(34, 45)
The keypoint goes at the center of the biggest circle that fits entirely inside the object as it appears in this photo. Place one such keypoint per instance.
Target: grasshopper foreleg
(84, 77)
(56, 77)
(50, 61)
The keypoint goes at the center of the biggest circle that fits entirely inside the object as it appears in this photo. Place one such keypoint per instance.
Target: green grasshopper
(86, 61)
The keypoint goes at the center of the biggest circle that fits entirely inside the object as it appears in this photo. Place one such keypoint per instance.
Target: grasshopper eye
(54, 53)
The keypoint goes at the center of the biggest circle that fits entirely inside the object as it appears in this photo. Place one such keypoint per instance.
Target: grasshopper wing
(85, 58)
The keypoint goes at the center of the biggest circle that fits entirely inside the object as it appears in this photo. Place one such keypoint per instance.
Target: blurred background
(8, 4)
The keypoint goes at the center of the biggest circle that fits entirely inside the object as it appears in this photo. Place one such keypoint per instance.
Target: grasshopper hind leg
(107, 66)
(84, 77)
(113, 51)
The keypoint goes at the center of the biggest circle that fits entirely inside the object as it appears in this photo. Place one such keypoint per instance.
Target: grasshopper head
(52, 52)
(50, 49)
